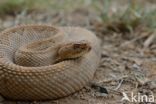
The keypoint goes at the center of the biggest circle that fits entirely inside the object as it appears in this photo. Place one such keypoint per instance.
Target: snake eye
(76, 46)
(82, 45)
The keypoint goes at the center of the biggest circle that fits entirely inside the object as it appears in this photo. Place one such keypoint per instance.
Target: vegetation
(126, 20)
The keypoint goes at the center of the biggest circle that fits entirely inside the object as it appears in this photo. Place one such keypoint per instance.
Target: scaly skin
(47, 81)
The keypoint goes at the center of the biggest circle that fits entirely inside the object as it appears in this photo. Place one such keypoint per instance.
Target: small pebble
(99, 88)
(1, 99)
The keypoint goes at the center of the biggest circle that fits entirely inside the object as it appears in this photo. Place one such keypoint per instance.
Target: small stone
(1, 99)
(99, 88)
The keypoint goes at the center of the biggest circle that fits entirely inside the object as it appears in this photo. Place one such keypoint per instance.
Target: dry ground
(128, 60)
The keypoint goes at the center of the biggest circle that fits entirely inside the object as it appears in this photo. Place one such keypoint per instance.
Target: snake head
(74, 50)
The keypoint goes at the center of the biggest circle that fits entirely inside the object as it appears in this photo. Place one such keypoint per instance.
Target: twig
(135, 39)
(110, 80)
(119, 85)
(150, 39)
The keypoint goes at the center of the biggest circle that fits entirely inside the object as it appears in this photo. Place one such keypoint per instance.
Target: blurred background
(79, 12)
(125, 27)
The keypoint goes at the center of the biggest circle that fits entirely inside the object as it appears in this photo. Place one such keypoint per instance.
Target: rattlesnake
(32, 76)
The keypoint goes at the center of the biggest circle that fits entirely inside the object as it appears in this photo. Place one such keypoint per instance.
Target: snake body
(43, 81)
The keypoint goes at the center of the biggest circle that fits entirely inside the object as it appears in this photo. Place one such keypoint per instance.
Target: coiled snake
(41, 62)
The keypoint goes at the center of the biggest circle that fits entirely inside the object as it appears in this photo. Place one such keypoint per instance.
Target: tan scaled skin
(73, 50)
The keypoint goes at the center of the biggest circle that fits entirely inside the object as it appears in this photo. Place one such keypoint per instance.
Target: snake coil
(44, 82)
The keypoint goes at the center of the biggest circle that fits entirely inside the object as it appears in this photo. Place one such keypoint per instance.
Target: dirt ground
(128, 60)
